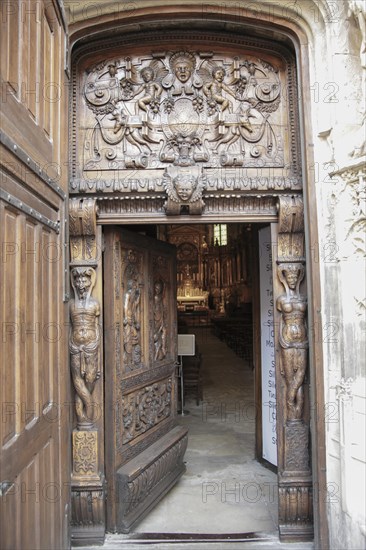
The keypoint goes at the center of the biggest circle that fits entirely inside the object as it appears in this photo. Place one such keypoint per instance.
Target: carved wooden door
(144, 447)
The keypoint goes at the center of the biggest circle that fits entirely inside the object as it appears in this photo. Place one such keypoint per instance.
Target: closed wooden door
(144, 447)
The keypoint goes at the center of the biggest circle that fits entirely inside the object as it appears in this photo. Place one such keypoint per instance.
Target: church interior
(216, 282)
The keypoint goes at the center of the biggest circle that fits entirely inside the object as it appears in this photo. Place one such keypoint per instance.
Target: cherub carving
(184, 188)
(213, 90)
(151, 89)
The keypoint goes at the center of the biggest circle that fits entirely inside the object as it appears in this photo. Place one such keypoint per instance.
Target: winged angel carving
(182, 108)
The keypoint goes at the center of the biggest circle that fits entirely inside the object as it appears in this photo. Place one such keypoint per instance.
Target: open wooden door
(144, 447)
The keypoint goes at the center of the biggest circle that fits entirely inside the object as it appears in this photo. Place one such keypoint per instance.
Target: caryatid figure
(84, 344)
(293, 337)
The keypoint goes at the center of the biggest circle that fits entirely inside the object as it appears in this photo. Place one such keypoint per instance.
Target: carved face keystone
(184, 187)
(183, 70)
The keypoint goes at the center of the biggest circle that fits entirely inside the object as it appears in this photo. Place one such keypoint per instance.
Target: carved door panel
(144, 447)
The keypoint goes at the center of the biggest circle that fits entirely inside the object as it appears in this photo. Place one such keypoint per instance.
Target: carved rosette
(85, 455)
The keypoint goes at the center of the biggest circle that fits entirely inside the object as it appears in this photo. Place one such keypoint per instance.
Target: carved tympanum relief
(293, 337)
(182, 108)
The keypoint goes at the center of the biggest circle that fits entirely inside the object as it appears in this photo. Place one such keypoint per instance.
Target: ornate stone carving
(293, 337)
(184, 189)
(145, 408)
(182, 108)
(84, 344)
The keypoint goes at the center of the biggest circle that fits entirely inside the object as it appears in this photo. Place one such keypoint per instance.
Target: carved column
(294, 473)
(87, 484)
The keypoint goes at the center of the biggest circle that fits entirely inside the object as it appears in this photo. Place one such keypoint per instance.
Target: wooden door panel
(35, 389)
(144, 449)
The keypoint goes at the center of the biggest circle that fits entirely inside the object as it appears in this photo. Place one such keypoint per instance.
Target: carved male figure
(84, 343)
(131, 322)
(293, 337)
(159, 321)
(182, 65)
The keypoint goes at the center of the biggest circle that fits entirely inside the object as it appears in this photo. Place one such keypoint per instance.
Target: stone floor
(224, 490)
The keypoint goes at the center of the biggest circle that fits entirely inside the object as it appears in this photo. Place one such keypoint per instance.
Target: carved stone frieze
(144, 408)
(84, 344)
(348, 212)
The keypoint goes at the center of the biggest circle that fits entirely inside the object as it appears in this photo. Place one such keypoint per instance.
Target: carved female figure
(84, 343)
(293, 337)
(159, 321)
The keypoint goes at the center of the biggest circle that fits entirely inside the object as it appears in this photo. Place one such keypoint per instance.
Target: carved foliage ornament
(182, 108)
(145, 408)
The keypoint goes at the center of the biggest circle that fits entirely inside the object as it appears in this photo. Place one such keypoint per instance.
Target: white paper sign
(186, 344)
(269, 433)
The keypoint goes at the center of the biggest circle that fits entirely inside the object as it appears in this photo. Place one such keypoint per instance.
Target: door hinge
(5, 487)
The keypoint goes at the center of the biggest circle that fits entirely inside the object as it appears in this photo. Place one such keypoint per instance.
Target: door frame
(293, 33)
